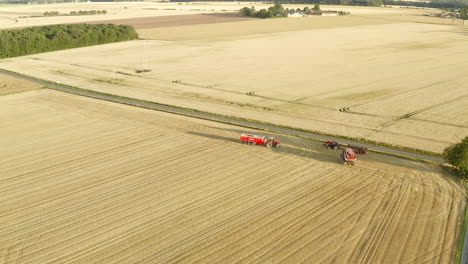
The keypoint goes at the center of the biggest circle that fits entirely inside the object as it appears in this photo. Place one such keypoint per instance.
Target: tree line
(75, 13)
(264, 13)
(279, 11)
(33, 40)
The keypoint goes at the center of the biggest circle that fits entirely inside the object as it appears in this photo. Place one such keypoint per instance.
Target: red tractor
(260, 140)
(332, 145)
(348, 156)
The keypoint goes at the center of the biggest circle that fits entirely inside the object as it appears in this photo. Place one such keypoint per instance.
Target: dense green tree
(48, 38)
(263, 13)
(457, 155)
(316, 8)
(464, 13)
(245, 11)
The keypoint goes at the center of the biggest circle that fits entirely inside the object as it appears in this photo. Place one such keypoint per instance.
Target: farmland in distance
(404, 85)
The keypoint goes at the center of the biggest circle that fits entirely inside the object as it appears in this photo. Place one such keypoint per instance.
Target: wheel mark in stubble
(211, 244)
(32, 154)
(315, 238)
(359, 209)
(71, 145)
(381, 201)
(250, 223)
(415, 216)
(134, 172)
(410, 114)
(275, 185)
(43, 180)
(426, 223)
(109, 180)
(425, 243)
(107, 240)
(442, 246)
(360, 238)
(447, 234)
(75, 180)
(403, 93)
(100, 183)
(358, 219)
(393, 202)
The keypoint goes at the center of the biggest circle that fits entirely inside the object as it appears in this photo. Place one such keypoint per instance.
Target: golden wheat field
(367, 75)
(87, 181)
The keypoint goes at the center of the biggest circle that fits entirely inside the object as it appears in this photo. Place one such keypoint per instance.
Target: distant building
(323, 13)
(295, 14)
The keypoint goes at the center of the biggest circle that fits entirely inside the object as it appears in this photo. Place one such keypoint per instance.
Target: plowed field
(84, 181)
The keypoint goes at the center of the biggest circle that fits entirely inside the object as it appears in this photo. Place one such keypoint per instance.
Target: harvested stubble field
(401, 83)
(172, 21)
(9, 85)
(86, 181)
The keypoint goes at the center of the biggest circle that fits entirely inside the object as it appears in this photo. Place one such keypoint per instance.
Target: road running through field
(214, 117)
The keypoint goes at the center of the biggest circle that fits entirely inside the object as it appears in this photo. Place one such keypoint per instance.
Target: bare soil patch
(177, 20)
(99, 182)
(9, 85)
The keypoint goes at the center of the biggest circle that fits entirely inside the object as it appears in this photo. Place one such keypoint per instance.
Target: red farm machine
(349, 152)
(332, 145)
(348, 156)
(260, 140)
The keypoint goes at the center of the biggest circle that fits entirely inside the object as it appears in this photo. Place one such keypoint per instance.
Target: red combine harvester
(260, 140)
(332, 145)
(348, 156)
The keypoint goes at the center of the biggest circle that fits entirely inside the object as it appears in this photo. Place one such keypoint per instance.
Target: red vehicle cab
(348, 156)
(260, 140)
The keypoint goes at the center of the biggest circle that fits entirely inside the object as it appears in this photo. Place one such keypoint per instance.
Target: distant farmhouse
(293, 13)
(323, 13)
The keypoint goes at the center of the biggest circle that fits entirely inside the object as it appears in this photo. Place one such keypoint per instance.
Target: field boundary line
(399, 151)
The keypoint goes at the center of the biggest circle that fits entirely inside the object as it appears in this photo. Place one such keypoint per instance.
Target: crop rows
(84, 181)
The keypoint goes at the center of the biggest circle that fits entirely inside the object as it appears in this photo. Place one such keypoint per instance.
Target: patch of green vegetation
(19, 42)
(143, 70)
(111, 81)
(457, 155)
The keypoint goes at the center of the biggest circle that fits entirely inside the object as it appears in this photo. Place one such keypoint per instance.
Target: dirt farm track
(98, 182)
